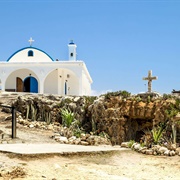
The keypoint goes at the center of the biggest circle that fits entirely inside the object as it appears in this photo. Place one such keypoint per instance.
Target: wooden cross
(149, 79)
(31, 41)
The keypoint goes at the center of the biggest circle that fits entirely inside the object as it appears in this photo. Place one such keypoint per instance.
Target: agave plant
(158, 132)
(67, 117)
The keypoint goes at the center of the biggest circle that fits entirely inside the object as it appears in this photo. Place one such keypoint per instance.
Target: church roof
(30, 48)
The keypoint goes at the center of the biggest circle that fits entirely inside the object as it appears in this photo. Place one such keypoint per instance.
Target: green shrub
(158, 132)
(67, 117)
(142, 144)
(123, 93)
(167, 96)
(104, 135)
(130, 143)
(157, 135)
(90, 99)
(149, 99)
(138, 99)
(76, 128)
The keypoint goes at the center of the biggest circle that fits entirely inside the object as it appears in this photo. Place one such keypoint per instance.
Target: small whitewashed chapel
(33, 70)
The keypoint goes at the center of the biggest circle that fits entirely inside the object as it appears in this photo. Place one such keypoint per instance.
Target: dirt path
(25, 134)
(124, 165)
(28, 135)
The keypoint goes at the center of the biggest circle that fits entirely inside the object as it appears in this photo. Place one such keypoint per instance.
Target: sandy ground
(122, 165)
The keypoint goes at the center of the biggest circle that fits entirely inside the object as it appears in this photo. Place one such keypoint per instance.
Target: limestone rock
(84, 143)
(72, 138)
(136, 147)
(63, 139)
(83, 137)
(156, 148)
(56, 136)
(125, 144)
(50, 127)
(178, 150)
(8, 118)
(162, 150)
(31, 125)
(167, 153)
(172, 153)
(172, 147)
(149, 152)
(77, 141)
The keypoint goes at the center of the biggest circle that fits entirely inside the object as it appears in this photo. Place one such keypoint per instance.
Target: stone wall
(48, 108)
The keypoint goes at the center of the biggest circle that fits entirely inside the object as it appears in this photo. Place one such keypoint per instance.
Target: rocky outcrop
(122, 118)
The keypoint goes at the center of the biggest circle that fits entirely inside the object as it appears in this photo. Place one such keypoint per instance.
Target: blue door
(31, 85)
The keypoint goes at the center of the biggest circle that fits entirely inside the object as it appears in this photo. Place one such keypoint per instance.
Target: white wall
(78, 84)
(51, 83)
(73, 84)
(86, 85)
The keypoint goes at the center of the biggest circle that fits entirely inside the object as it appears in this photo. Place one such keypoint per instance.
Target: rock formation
(122, 118)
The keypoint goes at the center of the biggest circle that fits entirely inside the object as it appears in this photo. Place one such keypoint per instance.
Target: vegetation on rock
(118, 114)
(157, 133)
(67, 117)
(123, 94)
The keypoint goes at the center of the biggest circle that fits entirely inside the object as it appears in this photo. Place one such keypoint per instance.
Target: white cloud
(98, 93)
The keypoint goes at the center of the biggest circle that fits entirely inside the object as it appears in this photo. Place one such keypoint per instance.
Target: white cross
(31, 41)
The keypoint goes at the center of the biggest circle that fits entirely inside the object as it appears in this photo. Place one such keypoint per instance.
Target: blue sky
(119, 40)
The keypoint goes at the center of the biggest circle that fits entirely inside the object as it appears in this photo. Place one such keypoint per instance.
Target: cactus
(27, 112)
(48, 118)
(33, 113)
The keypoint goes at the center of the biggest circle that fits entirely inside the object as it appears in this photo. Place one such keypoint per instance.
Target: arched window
(30, 53)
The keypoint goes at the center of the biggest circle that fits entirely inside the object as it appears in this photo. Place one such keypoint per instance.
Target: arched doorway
(62, 81)
(31, 85)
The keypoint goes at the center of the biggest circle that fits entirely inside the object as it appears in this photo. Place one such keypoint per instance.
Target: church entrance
(31, 85)
(19, 84)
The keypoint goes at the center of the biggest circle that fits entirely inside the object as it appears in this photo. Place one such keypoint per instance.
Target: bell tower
(72, 51)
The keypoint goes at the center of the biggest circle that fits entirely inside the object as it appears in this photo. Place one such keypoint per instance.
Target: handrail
(13, 119)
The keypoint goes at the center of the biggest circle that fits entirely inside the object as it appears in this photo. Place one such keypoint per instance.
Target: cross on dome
(31, 41)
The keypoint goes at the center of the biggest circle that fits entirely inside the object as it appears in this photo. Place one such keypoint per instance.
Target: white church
(33, 70)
